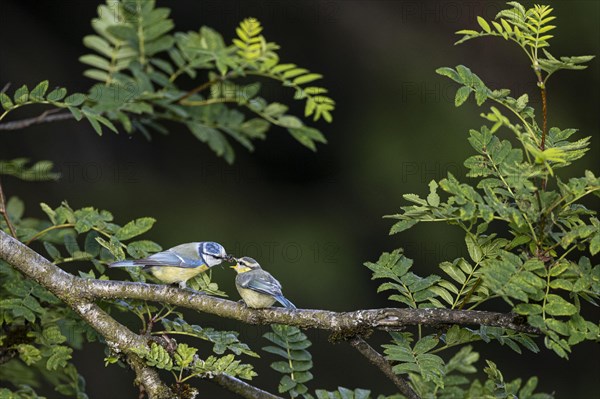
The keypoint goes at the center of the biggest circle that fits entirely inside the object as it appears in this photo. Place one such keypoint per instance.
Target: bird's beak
(230, 258)
(236, 267)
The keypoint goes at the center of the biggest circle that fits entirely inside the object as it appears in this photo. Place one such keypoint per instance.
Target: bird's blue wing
(285, 302)
(260, 281)
(166, 258)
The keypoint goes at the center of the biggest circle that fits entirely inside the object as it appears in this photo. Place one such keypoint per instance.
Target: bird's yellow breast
(170, 275)
(255, 299)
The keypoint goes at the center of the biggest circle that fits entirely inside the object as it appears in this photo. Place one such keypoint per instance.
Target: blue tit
(257, 287)
(180, 263)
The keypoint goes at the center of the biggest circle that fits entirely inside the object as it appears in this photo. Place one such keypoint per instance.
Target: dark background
(311, 219)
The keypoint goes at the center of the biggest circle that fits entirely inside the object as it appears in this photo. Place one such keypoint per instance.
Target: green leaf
(453, 271)
(52, 250)
(143, 248)
(289, 121)
(75, 99)
(21, 95)
(483, 23)
(307, 136)
(37, 94)
(595, 244)
(475, 251)
(433, 198)
(57, 94)
(135, 228)
(557, 306)
(59, 357)
(286, 384)
(113, 246)
(425, 344)
(307, 78)
(402, 225)
(528, 308)
(29, 353)
(462, 94)
(450, 73)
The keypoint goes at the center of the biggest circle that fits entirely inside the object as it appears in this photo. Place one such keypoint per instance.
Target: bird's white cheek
(212, 261)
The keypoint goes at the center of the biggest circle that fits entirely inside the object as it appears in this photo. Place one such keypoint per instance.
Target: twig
(386, 368)
(46, 116)
(544, 127)
(203, 87)
(5, 213)
(544, 119)
(242, 388)
(6, 86)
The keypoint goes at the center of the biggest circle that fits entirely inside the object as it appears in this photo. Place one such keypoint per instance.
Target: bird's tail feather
(123, 263)
(285, 302)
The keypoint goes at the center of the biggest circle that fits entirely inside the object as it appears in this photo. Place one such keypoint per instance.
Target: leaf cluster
(290, 344)
(529, 29)
(37, 337)
(139, 63)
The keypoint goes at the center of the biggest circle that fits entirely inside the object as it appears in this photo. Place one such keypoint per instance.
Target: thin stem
(42, 118)
(545, 118)
(208, 101)
(140, 33)
(287, 348)
(542, 87)
(548, 278)
(198, 89)
(180, 374)
(4, 213)
(523, 121)
(476, 304)
(242, 388)
(534, 236)
(165, 332)
(203, 86)
(382, 364)
(63, 226)
(467, 297)
(587, 192)
(72, 259)
(49, 229)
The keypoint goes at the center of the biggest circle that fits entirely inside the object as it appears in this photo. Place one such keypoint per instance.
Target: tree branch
(63, 284)
(149, 379)
(382, 319)
(42, 118)
(378, 360)
(242, 388)
(71, 290)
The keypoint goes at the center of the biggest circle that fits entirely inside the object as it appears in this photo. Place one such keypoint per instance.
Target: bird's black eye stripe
(214, 256)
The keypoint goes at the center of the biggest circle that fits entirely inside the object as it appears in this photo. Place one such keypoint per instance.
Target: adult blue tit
(180, 263)
(257, 287)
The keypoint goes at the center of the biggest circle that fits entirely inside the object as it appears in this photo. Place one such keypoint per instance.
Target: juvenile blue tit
(180, 263)
(257, 287)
